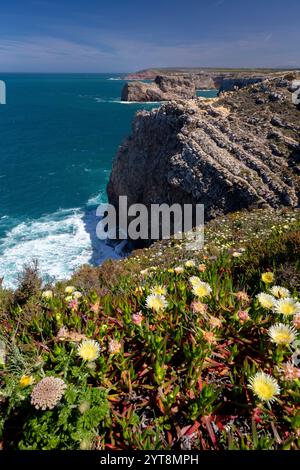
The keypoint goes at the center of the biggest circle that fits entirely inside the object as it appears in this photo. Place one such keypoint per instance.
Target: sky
(129, 35)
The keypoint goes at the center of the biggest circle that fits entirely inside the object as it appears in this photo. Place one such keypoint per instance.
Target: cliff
(237, 151)
(163, 88)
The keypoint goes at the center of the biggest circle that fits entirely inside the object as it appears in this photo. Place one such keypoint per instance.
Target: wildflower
(26, 380)
(282, 334)
(237, 254)
(77, 295)
(202, 268)
(280, 292)
(198, 307)
(194, 281)
(215, 322)
(289, 371)
(68, 298)
(69, 290)
(95, 307)
(47, 295)
(179, 270)
(47, 393)
(210, 337)
(287, 306)
(266, 300)
(242, 297)
(137, 318)
(89, 350)
(264, 386)
(190, 263)
(171, 270)
(138, 290)
(144, 272)
(202, 289)
(267, 277)
(2, 353)
(158, 290)
(73, 304)
(243, 316)
(114, 346)
(296, 321)
(156, 302)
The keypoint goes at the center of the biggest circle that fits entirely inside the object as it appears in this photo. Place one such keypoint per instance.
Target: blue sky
(128, 35)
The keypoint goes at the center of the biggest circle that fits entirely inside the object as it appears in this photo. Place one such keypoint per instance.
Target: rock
(163, 88)
(223, 153)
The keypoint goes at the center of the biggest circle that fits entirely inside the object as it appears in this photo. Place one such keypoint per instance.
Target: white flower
(69, 290)
(156, 302)
(179, 270)
(89, 350)
(194, 281)
(266, 300)
(264, 386)
(280, 292)
(159, 290)
(287, 306)
(202, 289)
(77, 294)
(47, 295)
(282, 334)
(190, 263)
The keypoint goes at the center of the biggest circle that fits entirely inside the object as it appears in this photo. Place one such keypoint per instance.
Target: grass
(174, 378)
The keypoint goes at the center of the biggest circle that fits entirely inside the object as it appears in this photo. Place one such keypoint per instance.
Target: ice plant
(289, 371)
(179, 270)
(89, 350)
(156, 302)
(266, 300)
(190, 263)
(47, 393)
(280, 292)
(267, 277)
(69, 290)
(137, 318)
(158, 290)
(114, 346)
(243, 316)
(194, 281)
(202, 289)
(198, 307)
(47, 295)
(264, 386)
(282, 334)
(287, 306)
(296, 321)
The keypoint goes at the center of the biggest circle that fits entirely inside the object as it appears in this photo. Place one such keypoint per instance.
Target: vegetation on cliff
(166, 349)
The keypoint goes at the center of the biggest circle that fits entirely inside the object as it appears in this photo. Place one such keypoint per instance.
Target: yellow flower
(26, 380)
(201, 289)
(138, 290)
(287, 306)
(156, 302)
(69, 290)
(171, 270)
(282, 334)
(89, 350)
(267, 277)
(266, 300)
(202, 268)
(264, 386)
(159, 290)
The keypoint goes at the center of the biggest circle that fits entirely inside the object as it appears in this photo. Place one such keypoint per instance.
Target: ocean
(59, 134)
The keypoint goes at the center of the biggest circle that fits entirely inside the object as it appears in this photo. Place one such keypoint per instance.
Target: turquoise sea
(59, 134)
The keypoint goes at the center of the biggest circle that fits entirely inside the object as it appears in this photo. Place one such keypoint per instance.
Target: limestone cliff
(163, 88)
(236, 151)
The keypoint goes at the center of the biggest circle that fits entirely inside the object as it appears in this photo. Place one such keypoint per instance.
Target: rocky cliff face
(163, 88)
(237, 151)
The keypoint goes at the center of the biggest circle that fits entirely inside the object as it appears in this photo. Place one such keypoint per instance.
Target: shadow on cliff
(100, 249)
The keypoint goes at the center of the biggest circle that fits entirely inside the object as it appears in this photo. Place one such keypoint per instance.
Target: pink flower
(73, 304)
(243, 316)
(137, 318)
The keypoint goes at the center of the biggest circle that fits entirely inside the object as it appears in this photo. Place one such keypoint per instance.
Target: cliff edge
(237, 151)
